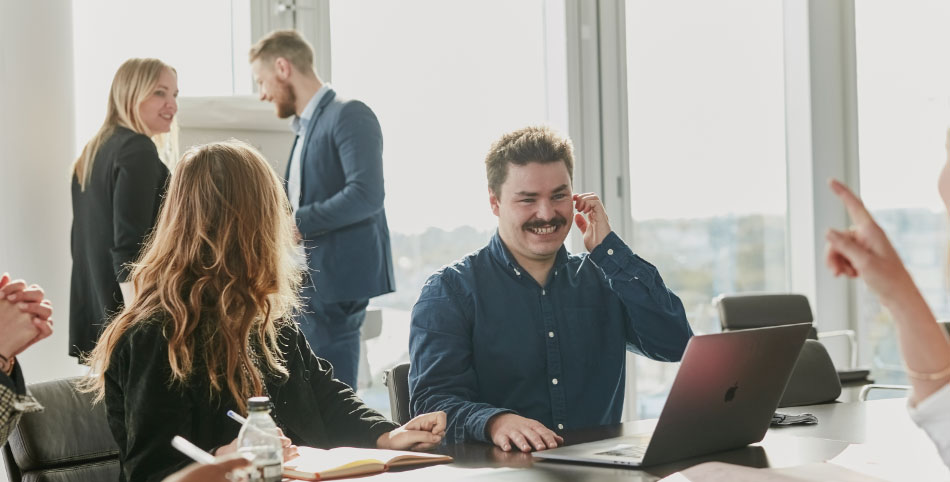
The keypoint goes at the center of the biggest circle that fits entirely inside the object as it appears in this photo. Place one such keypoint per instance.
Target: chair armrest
(852, 343)
(873, 386)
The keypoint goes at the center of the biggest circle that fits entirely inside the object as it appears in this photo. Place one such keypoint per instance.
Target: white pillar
(36, 152)
(821, 142)
(595, 52)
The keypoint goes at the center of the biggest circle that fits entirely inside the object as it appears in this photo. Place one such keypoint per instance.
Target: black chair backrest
(739, 312)
(814, 379)
(396, 380)
(69, 440)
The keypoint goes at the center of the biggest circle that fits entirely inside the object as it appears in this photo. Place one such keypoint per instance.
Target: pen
(192, 450)
(243, 421)
(237, 418)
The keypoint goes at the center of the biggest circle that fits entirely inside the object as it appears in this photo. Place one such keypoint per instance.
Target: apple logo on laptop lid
(731, 392)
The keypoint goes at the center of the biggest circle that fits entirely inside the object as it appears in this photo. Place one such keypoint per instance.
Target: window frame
(821, 129)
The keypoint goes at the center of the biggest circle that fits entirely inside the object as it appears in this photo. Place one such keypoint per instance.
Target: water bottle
(259, 437)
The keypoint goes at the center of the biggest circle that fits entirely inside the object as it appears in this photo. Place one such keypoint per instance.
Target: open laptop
(723, 397)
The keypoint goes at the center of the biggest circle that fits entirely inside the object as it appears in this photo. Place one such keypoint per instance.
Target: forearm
(655, 316)
(923, 342)
(8, 415)
(619, 265)
(465, 420)
(345, 208)
(14, 402)
(453, 394)
(348, 420)
(443, 377)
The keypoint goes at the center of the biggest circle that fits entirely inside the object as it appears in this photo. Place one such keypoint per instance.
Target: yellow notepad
(320, 464)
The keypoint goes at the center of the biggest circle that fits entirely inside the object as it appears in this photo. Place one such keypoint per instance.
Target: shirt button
(554, 381)
(610, 251)
(550, 334)
(560, 426)
(543, 292)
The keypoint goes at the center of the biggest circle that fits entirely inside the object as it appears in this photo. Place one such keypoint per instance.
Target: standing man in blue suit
(335, 185)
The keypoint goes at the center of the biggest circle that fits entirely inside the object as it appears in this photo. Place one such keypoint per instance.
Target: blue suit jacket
(341, 216)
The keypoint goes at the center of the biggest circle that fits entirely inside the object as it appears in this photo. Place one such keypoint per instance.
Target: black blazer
(145, 411)
(110, 221)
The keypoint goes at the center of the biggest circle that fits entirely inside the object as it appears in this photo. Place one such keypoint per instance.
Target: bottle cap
(258, 403)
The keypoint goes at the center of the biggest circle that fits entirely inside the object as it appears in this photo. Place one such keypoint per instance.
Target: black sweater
(146, 411)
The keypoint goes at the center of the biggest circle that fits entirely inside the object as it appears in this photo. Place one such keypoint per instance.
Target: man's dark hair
(530, 144)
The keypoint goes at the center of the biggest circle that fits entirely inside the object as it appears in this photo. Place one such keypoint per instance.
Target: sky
(448, 77)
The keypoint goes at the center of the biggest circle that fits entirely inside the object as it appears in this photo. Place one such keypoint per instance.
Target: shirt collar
(500, 252)
(300, 123)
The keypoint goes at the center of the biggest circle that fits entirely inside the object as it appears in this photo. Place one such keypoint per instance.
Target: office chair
(814, 378)
(757, 310)
(372, 328)
(396, 380)
(69, 441)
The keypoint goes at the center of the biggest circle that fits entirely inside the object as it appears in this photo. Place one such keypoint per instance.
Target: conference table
(888, 443)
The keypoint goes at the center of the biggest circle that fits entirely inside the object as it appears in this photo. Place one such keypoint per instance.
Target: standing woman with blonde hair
(212, 325)
(117, 187)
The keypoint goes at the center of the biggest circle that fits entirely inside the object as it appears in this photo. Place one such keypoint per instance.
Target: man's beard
(287, 105)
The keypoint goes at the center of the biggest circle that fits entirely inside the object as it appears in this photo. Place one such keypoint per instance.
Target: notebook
(320, 464)
(723, 397)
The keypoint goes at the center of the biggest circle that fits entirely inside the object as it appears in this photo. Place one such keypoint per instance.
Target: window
(446, 79)
(206, 42)
(903, 99)
(707, 155)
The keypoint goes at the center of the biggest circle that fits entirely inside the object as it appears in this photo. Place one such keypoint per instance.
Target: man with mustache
(520, 340)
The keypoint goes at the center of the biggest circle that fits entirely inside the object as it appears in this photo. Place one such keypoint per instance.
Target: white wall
(36, 151)
(274, 145)
(209, 119)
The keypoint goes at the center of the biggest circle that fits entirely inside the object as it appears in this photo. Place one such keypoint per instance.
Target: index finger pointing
(859, 214)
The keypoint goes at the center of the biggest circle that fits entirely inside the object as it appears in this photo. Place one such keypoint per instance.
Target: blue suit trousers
(333, 331)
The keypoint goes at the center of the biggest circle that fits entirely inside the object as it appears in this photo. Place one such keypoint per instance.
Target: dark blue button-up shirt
(486, 338)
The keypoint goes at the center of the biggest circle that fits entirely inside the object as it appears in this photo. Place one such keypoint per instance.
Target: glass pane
(193, 37)
(707, 155)
(446, 79)
(903, 99)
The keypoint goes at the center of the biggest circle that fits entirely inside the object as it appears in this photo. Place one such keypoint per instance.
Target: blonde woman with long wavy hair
(117, 185)
(211, 325)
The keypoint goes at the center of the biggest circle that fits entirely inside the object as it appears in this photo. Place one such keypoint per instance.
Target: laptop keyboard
(634, 450)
